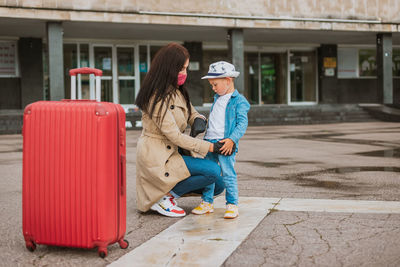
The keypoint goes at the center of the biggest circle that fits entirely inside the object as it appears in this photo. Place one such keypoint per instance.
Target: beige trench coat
(159, 166)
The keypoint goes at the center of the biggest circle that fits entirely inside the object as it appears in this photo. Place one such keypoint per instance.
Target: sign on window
(396, 62)
(8, 59)
(367, 62)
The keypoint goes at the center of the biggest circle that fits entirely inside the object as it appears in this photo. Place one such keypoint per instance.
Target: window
(8, 59)
(143, 61)
(153, 50)
(367, 62)
(210, 56)
(396, 62)
(356, 62)
(251, 77)
(347, 63)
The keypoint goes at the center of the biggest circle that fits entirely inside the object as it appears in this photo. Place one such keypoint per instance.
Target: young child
(226, 125)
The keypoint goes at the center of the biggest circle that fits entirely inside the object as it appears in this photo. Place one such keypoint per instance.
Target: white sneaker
(203, 208)
(167, 206)
(231, 212)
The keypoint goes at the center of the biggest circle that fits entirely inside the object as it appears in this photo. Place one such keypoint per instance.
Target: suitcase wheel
(31, 246)
(123, 243)
(102, 252)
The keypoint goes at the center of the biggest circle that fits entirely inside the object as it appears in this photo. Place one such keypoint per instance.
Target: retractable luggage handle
(97, 73)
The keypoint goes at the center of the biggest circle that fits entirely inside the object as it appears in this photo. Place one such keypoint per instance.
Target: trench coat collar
(178, 99)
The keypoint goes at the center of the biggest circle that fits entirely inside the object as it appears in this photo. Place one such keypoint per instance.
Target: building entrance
(303, 77)
(265, 78)
(120, 66)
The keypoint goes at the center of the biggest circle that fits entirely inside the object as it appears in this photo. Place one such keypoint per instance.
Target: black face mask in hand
(219, 145)
(199, 126)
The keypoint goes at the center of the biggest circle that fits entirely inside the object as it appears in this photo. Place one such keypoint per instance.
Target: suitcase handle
(97, 73)
(123, 173)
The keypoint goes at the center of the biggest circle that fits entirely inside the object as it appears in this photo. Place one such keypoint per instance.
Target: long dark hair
(161, 82)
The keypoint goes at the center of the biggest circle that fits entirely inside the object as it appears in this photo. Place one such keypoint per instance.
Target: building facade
(299, 52)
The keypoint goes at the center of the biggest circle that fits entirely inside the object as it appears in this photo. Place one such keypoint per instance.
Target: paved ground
(351, 161)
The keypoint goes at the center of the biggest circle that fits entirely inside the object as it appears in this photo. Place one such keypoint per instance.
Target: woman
(162, 174)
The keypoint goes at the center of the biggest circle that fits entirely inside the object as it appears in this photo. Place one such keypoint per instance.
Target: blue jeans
(203, 173)
(229, 177)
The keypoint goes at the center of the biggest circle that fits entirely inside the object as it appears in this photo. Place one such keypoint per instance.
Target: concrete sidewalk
(348, 161)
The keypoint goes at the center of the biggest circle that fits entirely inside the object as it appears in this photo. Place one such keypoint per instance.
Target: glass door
(303, 79)
(265, 77)
(268, 79)
(83, 80)
(126, 75)
(120, 66)
(103, 60)
(251, 77)
(76, 55)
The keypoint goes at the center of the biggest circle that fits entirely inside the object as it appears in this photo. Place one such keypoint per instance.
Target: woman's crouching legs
(203, 172)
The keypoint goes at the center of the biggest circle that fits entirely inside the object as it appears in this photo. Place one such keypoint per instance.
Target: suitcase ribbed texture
(68, 155)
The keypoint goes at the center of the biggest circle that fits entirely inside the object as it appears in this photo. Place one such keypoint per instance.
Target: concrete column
(236, 51)
(31, 70)
(56, 62)
(384, 67)
(194, 83)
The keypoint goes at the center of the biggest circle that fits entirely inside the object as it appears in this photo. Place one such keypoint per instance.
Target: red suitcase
(74, 172)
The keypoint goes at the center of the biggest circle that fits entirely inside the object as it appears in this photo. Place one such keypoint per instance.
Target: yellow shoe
(231, 212)
(203, 208)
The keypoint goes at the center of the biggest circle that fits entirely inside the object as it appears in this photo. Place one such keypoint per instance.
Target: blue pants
(229, 177)
(203, 172)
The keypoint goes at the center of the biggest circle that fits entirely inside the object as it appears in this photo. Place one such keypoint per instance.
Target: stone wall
(385, 12)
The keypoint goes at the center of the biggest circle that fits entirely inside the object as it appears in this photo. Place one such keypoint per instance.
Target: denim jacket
(235, 116)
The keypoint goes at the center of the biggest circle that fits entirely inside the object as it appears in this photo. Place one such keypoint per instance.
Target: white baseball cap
(221, 69)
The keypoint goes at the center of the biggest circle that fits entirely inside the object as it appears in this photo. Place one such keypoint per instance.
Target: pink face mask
(181, 79)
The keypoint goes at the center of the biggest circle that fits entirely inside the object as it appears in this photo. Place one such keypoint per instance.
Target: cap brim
(233, 74)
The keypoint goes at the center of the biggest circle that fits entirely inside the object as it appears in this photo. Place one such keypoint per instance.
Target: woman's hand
(198, 127)
(211, 148)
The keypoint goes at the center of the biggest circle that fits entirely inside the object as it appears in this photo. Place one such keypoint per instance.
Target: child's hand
(226, 149)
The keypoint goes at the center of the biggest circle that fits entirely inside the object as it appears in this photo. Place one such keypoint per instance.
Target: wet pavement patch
(264, 164)
(247, 177)
(332, 137)
(276, 164)
(308, 182)
(303, 179)
(387, 153)
(311, 178)
(364, 169)
(12, 151)
(343, 170)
